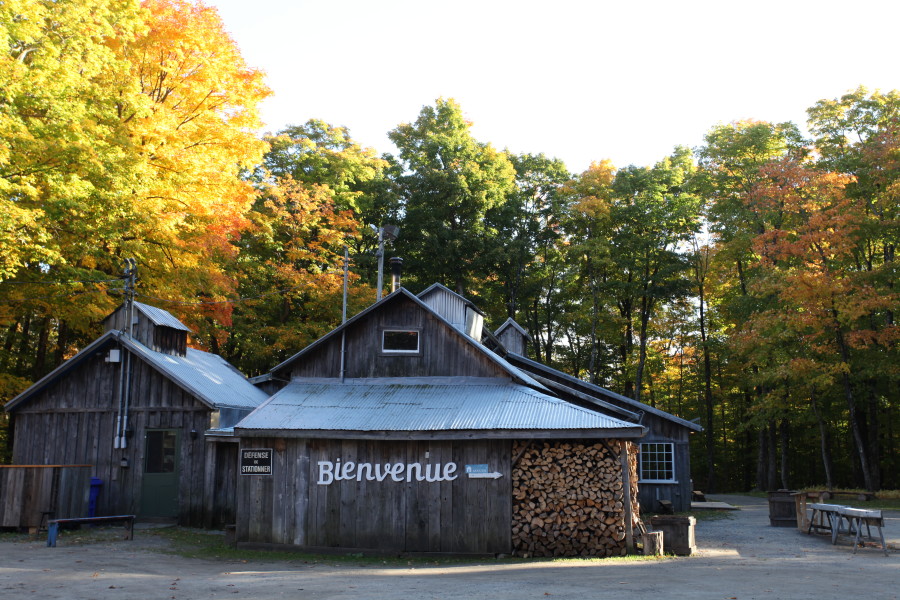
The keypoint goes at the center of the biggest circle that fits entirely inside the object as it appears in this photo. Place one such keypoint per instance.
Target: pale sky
(577, 80)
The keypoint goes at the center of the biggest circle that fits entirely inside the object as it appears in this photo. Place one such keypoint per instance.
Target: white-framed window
(400, 341)
(657, 463)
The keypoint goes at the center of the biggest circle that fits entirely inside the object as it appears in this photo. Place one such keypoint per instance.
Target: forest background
(749, 283)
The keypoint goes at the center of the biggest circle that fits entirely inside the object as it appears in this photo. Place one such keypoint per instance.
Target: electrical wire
(212, 302)
(62, 282)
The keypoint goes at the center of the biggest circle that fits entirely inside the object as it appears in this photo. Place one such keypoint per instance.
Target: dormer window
(400, 341)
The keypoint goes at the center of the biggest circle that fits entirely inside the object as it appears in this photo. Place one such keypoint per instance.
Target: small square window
(400, 341)
(658, 462)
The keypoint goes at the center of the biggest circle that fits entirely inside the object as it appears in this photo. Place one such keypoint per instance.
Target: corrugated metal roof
(209, 376)
(524, 363)
(160, 317)
(421, 404)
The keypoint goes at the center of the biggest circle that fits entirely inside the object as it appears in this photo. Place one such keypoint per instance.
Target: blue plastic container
(96, 484)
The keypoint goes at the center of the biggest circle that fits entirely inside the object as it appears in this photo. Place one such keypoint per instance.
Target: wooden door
(159, 485)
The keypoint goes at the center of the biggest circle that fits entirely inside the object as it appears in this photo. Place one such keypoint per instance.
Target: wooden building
(135, 405)
(665, 456)
(400, 432)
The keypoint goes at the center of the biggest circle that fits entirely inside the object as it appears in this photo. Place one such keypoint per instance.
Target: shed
(135, 408)
(400, 432)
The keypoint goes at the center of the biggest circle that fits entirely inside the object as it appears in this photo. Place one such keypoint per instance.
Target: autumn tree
(125, 129)
(729, 166)
(313, 195)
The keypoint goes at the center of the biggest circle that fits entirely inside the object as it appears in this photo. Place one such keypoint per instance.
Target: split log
(568, 499)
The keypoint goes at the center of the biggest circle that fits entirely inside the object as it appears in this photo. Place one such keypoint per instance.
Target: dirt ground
(741, 557)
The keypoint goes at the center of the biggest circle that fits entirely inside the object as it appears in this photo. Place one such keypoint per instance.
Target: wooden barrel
(782, 509)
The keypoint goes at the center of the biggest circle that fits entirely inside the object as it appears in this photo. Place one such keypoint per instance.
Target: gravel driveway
(739, 557)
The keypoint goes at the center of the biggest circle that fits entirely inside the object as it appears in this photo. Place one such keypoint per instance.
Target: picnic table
(830, 517)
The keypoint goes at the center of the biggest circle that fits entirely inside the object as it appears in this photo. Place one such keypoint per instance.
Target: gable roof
(435, 287)
(513, 372)
(207, 376)
(425, 408)
(158, 316)
(511, 323)
(591, 389)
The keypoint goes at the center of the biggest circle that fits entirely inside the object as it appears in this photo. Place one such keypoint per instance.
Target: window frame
(660, 456)
(391, 352)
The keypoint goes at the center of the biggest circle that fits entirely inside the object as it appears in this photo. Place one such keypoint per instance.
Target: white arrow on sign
(493, 475)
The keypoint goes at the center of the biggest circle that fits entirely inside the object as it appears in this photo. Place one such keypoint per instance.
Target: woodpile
(568, 498)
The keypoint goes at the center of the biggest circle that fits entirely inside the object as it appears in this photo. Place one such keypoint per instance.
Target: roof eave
(635, 432)
(48, 379)
(609, 393)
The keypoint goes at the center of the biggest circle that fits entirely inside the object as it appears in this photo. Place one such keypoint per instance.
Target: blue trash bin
(96, 484)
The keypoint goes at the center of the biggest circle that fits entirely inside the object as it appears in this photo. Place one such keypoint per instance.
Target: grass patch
(884, 499)
(711, 515)
(210, 545)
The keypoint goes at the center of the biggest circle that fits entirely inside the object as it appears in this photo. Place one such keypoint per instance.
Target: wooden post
(653, 543)
(626, 482)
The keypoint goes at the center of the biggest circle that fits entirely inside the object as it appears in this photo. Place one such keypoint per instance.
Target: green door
(159, 487)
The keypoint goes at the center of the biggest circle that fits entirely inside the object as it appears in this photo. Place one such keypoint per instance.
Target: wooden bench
(857, 517)
(826, 517)
(828, 495)
(53, 525)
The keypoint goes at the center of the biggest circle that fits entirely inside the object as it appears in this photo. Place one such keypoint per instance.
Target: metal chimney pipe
(396, 269)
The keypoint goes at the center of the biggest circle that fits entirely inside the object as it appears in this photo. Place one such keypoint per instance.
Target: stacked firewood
(568, 498)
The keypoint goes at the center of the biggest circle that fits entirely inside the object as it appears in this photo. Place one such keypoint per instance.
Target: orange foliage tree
(126, 127)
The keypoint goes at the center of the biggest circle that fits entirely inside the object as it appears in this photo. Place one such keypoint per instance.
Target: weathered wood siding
(74, 421)
(678, 493)
(161, 339)
(460, 516)
(513, 340)
(26, 492)
(442, 353)
(220, 486)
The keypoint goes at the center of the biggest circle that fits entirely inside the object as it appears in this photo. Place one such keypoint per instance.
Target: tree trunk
(40, 357)
(6, 358)
(783, 435)
(646, 307)
(625, 311)
(707, 387)
(874, 435)
(62, 343)
(772, 479)
(762, 460)
(851, 405)
(825, 443)
(23, 345)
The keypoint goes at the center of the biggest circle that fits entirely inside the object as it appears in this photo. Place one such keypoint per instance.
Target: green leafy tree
(450, 184)
(529, 222)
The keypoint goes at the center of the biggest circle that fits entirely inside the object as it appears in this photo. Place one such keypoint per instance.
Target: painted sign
(256, 461)
(481, 472)
(331, 471)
